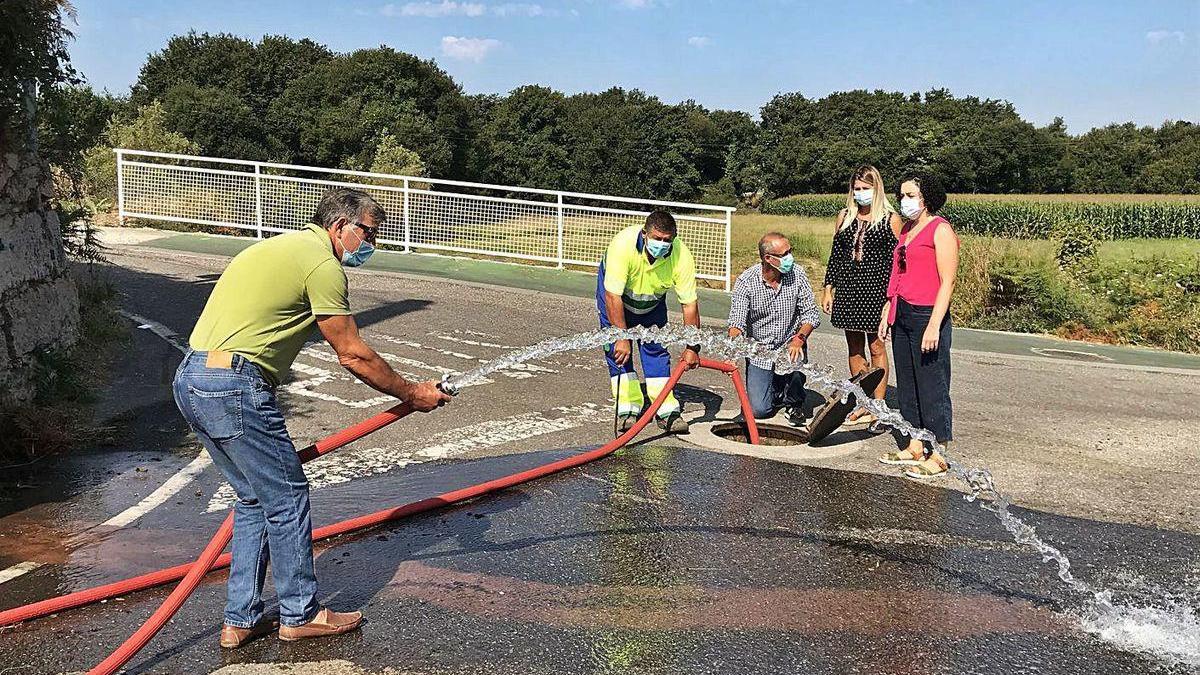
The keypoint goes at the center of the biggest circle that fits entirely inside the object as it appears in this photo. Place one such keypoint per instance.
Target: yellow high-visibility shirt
(643, 284)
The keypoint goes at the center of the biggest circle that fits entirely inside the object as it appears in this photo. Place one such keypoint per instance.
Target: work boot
(625, 422)
(326, 622)
(673, 423)
(233, 637)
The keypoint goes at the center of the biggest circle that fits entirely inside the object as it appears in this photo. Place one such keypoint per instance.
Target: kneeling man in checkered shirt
(773, 303)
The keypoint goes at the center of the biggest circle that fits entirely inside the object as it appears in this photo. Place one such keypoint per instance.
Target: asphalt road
(664, 559)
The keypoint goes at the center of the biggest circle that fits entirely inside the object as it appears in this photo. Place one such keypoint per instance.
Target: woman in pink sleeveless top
(917, 318)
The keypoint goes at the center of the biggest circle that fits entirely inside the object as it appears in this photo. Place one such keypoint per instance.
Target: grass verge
(59, 417)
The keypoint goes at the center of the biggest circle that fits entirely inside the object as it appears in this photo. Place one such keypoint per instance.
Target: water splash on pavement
(1167, 627)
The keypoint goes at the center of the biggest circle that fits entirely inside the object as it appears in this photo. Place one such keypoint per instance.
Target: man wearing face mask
(260, 314)
(640, 266)
(773, 303)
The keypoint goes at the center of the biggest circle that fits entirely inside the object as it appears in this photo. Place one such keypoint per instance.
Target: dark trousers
(769, 391)
(922, 379)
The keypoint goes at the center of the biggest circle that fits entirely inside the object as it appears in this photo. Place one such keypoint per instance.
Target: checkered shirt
(772, 315)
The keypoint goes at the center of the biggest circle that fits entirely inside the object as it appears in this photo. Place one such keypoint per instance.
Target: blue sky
(1092, 62)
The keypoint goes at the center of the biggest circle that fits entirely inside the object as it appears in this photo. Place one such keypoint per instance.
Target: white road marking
(158, 329)
(349, 465)
(493, 345)
(517, 371)
(162, 493)
(17, 570)
(185, 475)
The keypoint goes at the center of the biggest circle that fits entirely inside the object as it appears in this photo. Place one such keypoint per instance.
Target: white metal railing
(428, 214)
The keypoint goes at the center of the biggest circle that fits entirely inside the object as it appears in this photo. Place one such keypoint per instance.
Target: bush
(146, 131)
(1076, 244)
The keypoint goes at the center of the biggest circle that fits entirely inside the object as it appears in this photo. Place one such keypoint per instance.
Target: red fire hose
(211, 557)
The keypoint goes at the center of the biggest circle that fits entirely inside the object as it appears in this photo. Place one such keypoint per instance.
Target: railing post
(561, 229)
(728, 233)
(120, 186)
(407, 225)
(258, 214)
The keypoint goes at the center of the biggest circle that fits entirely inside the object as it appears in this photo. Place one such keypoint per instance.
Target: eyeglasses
(903, 258)
(372, 232)
(781, 255)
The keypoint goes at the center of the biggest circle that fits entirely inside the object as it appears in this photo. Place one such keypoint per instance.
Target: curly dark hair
(930, 186)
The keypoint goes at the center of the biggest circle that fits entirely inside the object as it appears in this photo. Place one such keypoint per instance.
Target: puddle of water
(1165, 629)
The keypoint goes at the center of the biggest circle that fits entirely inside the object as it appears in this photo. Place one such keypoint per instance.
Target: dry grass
(810, 237)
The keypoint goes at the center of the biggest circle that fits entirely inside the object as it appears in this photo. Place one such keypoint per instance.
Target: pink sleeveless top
(918, 284)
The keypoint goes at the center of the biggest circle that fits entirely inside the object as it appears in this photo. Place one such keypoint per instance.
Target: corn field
(1035, 218)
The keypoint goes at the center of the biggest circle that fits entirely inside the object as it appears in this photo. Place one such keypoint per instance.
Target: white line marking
(162, 493)
(17, 570)
(350, 465)
(517, 371)
(182, 477)
(493, 345)
(158, 329)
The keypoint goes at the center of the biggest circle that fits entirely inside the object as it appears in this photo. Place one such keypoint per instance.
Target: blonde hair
(880, 206)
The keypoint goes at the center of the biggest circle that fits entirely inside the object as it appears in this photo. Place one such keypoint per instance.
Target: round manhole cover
(1072, 354)
(768, 434)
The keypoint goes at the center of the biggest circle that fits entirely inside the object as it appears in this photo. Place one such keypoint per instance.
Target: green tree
(33, 54)
(71, 119)
(329, 115)
(219, 61)
(1108, 158)
(146, 131)
(216, 120)
(525, 140)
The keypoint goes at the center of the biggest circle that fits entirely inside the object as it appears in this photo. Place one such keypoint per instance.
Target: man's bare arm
(364, 363)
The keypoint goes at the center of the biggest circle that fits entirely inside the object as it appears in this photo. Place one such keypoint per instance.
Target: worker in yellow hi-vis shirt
(257, 319)
(640, 266)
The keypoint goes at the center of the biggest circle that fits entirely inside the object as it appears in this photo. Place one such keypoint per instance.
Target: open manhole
(1071, 354)
(768, 434)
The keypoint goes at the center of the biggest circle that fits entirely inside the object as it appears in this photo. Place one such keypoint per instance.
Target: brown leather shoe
(233, 637)
(326, 622)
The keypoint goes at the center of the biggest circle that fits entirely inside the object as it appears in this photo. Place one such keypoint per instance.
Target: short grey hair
(766, 240)
(347, 203)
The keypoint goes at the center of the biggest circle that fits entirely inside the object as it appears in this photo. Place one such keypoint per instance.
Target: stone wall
(39, 306)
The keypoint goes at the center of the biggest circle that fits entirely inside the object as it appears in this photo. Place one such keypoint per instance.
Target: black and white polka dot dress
(860, 266)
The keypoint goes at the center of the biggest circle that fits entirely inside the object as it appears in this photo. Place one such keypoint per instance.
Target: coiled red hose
(211, 558)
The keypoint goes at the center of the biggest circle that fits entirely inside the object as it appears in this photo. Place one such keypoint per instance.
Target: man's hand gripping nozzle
(446, 387)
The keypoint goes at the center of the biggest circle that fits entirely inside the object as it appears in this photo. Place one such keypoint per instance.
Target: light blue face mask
(786, 263)
(657, 248)
(910, 207)
(358, 256)
(864, 197)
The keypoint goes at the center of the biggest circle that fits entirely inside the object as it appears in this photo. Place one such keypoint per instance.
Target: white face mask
(864, 197)
(910, 207)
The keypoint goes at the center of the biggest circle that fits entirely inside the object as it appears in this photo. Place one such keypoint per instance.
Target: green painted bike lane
(713, 303)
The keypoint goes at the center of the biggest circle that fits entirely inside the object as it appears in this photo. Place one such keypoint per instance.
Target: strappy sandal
(927, 469)
(866, 419)
(901, 458)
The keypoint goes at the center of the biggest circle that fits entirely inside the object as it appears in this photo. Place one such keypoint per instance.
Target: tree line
(296, 101)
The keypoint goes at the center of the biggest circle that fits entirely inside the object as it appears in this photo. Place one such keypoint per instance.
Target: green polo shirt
(267, 300)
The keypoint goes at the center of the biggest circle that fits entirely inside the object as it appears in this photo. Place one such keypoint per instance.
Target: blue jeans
(234, 413)
(770, 391)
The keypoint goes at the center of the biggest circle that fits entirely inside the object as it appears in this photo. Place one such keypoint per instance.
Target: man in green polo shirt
(257, 319)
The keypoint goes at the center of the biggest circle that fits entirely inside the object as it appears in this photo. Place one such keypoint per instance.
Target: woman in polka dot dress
(856, 278)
